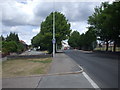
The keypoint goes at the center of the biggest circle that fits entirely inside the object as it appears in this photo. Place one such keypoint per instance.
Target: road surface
(103, 70)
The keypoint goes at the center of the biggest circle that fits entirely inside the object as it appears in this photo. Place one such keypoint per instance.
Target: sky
(25, 16)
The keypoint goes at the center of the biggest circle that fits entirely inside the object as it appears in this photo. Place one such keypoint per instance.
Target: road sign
(53, 41)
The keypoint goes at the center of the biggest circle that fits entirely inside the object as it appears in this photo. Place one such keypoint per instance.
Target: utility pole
(53, 41)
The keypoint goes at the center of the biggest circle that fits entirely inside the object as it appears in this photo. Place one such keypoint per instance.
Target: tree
(36, 40)
(2, 38)
(44, 38)
(20, 47)
(87, 40)
(82, 41)
(73, 40)
(12, 37)
(98, 21)
(10, 46)
(114, 11)
(106, 21)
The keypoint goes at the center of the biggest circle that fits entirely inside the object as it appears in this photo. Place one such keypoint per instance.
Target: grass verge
(109, 49)
(25, 67)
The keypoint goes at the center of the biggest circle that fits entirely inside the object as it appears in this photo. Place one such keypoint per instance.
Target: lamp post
(53, 41)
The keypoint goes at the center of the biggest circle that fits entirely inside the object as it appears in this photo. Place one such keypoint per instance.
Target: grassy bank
(25, 67)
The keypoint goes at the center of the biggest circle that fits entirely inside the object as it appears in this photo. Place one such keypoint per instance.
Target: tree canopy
(12, 44)
(73, 40)
(106, 22)
(12, 37)
(45, 36)
(85, 41)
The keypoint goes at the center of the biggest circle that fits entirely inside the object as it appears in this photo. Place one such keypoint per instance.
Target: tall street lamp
(53, 41)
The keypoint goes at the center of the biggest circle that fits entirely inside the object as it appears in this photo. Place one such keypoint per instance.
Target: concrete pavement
(63, 63)
(65, 81)
(54, 79)
(20, 82)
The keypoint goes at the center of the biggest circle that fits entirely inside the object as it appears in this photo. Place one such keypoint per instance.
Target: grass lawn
(109, 49)
(25, 67)
(44, 51)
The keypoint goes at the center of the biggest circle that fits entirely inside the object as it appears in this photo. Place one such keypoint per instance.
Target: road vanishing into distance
(102, 68)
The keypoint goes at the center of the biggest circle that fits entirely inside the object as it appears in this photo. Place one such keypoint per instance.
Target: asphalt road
(102, 69)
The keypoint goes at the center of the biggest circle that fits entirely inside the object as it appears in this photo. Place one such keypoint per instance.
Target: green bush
(10, 46)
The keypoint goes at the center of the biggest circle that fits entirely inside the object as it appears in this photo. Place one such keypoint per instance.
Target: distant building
(22, 42)
(25, 45)
(65, 45)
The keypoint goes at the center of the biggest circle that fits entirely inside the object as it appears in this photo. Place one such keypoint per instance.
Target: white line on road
(90, 80)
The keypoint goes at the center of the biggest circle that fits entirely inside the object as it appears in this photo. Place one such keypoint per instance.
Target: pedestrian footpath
(63, 64)
(64, 73)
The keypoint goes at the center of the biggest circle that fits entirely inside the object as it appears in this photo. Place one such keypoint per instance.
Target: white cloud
(37, 30)
(14, 28)
(15, 13)
(24, 16)
(79, 26)
(34, 12)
